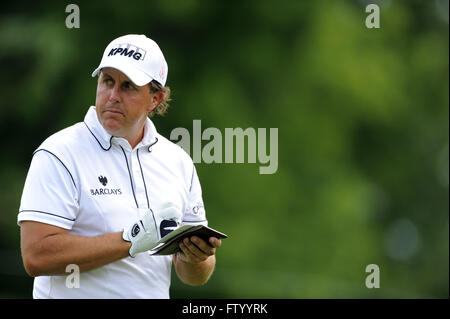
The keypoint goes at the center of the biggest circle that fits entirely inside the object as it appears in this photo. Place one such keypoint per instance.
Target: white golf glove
(151, 227)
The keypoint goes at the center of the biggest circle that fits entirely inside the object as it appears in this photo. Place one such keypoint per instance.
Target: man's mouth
(113, 111)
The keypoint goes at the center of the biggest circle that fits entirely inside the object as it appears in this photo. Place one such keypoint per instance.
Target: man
(101, 193)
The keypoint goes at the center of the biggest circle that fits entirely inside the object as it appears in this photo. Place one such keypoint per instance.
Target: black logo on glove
(167, 226)
(135, 230)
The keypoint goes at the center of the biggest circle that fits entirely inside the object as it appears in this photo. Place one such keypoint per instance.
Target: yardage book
(168, 245)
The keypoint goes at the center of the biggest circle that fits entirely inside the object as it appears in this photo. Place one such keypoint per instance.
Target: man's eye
(128, 85)
(107, 81)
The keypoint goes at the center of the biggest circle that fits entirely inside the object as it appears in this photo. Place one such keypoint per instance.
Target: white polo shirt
(84, 180)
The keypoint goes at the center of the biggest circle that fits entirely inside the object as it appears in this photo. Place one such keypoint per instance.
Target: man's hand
(195, 250)
(195, 263)
(147, 231)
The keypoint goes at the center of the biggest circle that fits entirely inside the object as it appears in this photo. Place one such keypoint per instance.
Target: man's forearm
(53, 253)
(194, 274)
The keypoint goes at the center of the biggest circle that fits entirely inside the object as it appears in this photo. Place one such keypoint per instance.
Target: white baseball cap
(138, 57)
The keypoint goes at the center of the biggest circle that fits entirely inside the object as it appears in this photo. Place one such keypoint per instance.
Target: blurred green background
(362, 118)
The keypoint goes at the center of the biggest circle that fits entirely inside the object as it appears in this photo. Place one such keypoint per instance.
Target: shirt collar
(105, 140)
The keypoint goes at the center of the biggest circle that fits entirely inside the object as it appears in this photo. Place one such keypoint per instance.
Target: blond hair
(161, 108)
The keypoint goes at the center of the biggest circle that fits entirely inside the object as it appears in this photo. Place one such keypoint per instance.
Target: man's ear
(156, 98)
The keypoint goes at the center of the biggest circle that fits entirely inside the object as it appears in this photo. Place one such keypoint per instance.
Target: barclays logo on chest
(105, 191)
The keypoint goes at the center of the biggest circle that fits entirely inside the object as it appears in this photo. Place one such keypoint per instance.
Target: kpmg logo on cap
(128, 50)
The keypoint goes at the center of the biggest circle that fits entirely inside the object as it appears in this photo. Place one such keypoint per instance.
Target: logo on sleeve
(198, 209)
(105, 191)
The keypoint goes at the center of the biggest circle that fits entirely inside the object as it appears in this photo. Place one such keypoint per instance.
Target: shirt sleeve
(50, 195)
(195, 213)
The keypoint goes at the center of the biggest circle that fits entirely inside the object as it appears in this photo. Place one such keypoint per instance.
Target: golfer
(101, 193)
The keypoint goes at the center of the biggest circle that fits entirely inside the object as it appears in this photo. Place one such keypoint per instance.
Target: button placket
(141, 196)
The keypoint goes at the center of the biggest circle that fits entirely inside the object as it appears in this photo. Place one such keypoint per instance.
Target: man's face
(122, 107)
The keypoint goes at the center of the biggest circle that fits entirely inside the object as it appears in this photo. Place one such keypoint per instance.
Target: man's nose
(114, 96)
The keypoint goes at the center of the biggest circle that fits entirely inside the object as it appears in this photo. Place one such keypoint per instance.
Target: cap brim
(136, 76)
